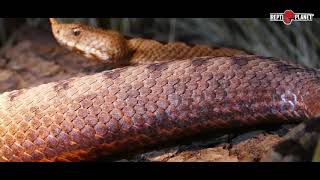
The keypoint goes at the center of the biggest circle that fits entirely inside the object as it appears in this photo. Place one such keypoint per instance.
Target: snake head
(93, 43)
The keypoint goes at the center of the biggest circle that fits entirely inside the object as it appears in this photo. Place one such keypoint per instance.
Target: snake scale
(153, 101)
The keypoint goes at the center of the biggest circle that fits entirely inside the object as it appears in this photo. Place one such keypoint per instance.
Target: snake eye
(76, 32)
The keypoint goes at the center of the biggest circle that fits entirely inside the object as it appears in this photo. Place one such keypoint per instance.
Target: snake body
(84, 118)
(113, 48)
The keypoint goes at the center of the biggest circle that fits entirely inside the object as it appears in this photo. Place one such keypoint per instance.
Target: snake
(115, 49)
(158, 92)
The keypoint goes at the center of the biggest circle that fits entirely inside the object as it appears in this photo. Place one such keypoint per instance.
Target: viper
(157, 92)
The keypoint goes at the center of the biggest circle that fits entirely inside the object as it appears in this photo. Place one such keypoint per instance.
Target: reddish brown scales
(129, 108)
(114, 48)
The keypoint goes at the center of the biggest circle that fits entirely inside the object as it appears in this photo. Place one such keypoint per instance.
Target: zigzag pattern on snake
(84, 118)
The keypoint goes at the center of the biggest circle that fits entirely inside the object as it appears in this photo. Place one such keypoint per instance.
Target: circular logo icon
(288, 17)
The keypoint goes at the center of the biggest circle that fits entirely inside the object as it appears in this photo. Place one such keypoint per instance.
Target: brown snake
(84, 118)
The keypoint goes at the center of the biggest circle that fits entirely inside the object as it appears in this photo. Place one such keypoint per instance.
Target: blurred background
(299, 41)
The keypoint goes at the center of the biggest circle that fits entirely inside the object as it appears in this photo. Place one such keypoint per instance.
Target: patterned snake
(153, 101)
